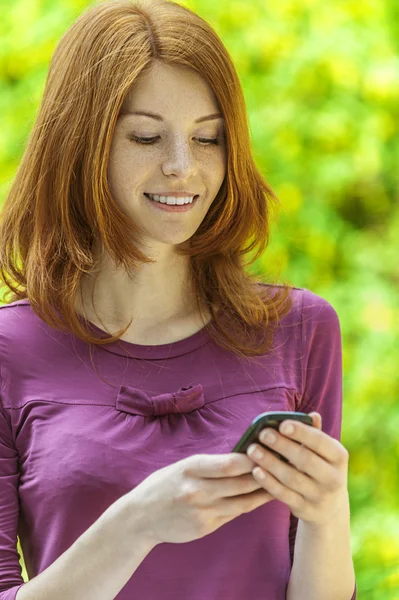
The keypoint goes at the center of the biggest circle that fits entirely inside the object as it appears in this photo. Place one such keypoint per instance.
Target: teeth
(171, 199)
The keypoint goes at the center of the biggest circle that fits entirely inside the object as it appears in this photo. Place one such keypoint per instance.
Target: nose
(179, 160)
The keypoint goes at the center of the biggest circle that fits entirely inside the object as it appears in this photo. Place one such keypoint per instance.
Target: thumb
(218, 465)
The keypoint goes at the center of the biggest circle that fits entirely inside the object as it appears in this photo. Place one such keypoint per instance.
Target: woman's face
(185, 152)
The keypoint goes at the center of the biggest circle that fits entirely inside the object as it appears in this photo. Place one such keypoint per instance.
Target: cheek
(127, 169)
(214, 165)
(218, 169)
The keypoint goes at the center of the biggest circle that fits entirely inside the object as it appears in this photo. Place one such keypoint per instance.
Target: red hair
(60, 200)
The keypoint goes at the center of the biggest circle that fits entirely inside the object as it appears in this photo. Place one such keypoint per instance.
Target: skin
(314, 485)
(178, 160)
(315, 488)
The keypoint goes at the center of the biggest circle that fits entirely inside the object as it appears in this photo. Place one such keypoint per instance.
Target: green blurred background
(321, 82)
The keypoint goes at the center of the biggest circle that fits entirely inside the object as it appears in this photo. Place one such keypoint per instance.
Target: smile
(171, 203)
(171, 199)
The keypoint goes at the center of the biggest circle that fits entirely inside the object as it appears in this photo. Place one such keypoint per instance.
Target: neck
(157, 293)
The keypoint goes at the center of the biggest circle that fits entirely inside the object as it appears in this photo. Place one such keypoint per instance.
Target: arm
(314, 483)
(324, 552)
(95, 567)
(323, 565)
(100, 562)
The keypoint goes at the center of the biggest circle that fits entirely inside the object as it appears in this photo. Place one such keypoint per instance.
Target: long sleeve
(322, 388)
(10, 570)
(78, 436)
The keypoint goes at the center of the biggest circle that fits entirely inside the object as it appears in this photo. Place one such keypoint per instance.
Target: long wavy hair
(60, 200)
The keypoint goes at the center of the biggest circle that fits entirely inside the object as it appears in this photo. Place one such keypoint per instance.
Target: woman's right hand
(196, 495)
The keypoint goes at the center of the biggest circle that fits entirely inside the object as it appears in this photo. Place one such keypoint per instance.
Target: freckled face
(179, 154)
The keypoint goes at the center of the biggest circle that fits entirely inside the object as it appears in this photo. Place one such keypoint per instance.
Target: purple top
(72, 443)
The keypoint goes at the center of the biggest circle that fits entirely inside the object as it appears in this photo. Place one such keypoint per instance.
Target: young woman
(136, 348)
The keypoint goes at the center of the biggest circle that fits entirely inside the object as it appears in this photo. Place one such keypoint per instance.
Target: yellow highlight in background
(290, 196)
(380, 317)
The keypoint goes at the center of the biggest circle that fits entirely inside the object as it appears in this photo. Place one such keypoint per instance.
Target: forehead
(170, 89)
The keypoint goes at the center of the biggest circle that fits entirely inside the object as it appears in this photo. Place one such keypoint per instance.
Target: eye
(151, 140)
(210, 141)
(143, 140)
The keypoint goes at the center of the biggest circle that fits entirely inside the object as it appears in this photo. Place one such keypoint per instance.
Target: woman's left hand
(314, 484)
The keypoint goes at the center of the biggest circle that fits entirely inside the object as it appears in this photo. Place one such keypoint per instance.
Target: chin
(179, 241)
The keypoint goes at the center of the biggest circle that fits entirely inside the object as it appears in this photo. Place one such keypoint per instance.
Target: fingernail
(255, 452)
(269, 437)
(287, 428)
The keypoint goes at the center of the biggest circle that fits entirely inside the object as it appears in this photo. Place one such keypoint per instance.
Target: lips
(176, 208)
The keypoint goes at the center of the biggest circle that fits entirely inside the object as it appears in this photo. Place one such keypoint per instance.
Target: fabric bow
(137, 402)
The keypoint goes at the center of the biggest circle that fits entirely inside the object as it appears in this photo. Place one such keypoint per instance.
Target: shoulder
(318, 314)
(317, 311)
(320, 324)
(22, 332)
(306, 305)
(13, 331)
(30, 352)
(14, 317)
(312, 320)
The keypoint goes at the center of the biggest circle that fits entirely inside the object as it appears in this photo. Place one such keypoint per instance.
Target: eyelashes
(152, 140)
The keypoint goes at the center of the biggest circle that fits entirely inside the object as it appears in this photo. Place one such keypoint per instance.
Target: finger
(247, 502)
(215, 466)
(231, 486)
(316, 440)
(288, 475)
(279, 491)
(317, 420)
(301, 457)
(323, 471)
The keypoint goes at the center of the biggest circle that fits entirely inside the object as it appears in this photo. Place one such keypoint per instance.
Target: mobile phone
(268, 419)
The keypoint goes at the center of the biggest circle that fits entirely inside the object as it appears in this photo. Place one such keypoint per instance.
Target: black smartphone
(268, 419)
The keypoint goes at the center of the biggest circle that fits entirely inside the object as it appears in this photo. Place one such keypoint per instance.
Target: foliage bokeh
(321, 81)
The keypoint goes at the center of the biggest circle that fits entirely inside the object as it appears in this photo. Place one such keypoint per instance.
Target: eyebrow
(159, 118)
